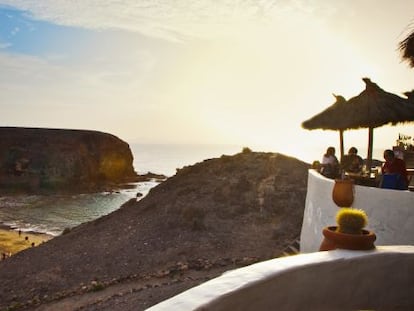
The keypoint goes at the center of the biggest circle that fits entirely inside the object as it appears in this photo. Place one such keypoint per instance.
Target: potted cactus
(349, 232)
(351, 220)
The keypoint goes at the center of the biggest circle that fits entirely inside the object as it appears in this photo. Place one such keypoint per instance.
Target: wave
(52, 214)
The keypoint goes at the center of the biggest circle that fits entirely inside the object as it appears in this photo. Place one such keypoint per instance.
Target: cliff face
(33, 159)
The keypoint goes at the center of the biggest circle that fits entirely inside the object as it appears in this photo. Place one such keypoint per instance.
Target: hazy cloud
(14, 31)
(281, 65)
(5, 45)
(168, 19)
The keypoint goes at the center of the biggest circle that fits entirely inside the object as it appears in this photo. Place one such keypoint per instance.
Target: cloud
(58, 80)
(173, 20)
(15, 31)
(37, 92)
(5, 45)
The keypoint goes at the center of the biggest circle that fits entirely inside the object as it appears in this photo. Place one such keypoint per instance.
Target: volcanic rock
(40, 159)
(214, 216)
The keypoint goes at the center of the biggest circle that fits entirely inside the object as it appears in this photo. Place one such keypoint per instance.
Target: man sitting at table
(394, 166)
(352, 162)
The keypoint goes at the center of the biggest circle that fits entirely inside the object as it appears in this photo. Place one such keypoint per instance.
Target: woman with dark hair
(330, 164)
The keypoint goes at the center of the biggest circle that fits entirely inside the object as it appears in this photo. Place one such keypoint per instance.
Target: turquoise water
(51, 214)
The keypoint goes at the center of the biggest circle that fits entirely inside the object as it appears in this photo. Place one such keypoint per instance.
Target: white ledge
(334, 280)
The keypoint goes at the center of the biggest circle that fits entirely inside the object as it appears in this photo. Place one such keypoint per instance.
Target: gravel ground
(214, 216)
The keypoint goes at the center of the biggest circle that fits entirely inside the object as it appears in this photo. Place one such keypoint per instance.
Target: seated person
(352, 162)
(396, 166)
(330, 164)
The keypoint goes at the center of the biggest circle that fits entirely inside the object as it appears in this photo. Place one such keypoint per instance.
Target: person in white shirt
(330, 164)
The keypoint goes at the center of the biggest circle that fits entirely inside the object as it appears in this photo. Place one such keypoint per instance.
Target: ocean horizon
(54, 213)
(167, 158)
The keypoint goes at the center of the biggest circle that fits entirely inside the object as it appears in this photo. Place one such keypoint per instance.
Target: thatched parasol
(372, 108)
(330, 119)
(407, 49)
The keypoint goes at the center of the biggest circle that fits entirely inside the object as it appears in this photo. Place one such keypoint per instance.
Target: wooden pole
(370, 147)
(341, 143)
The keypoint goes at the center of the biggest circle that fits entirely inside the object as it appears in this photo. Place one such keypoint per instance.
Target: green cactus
(351, 220)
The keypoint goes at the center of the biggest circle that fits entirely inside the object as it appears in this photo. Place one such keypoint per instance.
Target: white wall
(390, 213)
(336, 280)
(380, 279)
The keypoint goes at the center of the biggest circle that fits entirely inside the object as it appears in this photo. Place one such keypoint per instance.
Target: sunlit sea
(51, 214)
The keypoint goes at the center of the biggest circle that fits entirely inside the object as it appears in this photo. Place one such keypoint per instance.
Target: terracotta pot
(334, 240)
(343, 192)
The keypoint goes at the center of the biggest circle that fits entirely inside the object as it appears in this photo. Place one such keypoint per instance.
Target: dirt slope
(211, 217)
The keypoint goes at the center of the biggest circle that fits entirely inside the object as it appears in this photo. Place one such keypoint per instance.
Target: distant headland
(37, 160)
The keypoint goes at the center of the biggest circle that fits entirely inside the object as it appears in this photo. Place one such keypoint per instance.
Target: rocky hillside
(36, 159)
(211, 217)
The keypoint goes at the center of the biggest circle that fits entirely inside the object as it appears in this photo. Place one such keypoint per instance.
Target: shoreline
(12, 242)
(3, 226)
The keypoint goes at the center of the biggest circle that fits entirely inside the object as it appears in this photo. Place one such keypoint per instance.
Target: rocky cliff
(39, 159)
(216, 215)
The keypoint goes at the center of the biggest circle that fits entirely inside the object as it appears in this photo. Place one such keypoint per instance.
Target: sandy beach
(11, 242)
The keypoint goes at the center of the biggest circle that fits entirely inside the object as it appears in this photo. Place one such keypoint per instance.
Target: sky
(243, 72)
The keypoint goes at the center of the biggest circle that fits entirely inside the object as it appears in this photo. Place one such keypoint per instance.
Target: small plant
(96, 286)
(14, 306)
(351, 220)
(246, 150)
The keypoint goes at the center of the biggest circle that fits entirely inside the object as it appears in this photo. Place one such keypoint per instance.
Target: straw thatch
(372, 108)
(330, 118)
(407, 49)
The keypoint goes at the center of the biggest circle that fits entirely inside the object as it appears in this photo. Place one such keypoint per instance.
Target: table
(364, 180)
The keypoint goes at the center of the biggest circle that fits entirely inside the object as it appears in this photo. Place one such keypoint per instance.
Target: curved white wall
(390, 213)
(336, 280)
(379, 279)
